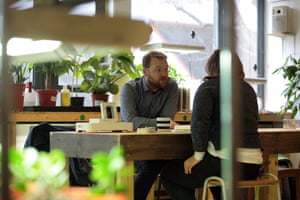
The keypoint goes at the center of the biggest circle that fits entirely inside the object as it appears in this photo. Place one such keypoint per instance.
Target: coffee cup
(163, 124)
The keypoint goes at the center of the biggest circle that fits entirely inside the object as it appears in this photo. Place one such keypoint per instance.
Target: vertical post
(229, 95)
(261, 47)
(4, 100)
(102, 6)
(122, 8)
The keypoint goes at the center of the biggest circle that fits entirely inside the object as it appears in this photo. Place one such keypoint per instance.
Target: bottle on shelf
(65, 96)
(30, 97)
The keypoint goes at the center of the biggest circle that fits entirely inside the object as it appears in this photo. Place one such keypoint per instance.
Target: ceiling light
(172, 48)
(25, 46)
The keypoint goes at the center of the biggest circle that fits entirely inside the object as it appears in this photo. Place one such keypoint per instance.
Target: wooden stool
(265, 180)
(291, 172)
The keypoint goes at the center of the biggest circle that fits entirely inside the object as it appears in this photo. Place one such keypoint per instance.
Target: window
(187, 22)
(193, 22)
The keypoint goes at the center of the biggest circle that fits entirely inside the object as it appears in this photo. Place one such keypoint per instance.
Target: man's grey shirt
(141, 106)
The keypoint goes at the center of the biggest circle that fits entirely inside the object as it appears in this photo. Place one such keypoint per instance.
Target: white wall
(277, 49)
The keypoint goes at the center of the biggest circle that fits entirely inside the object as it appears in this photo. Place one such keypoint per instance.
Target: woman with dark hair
(180, 178)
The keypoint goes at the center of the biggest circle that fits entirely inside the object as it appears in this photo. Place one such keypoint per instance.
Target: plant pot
(47, 97)
(16, 194)
(80, 193)
(98, 98)
(18, 98)
(77, 101)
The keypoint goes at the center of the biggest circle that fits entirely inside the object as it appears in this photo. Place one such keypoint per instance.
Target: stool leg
(158, 189)
(204, 193)
(278, 191)
(223, 190)
(256, 193)
(199, 193)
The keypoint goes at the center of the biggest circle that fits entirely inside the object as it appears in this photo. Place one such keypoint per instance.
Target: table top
(280, 140)
(136, 146)
(162, 145)
(278, 130)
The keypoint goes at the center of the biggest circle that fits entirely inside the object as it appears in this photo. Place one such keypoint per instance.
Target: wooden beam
(55, 23)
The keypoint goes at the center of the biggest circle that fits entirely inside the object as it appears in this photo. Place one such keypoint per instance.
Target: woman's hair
(212, 66)
(153, 54)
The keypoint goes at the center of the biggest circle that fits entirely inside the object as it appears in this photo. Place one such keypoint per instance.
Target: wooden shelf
(23, 117)
(33, 117)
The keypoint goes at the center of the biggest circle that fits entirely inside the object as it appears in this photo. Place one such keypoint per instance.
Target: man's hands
(189, 164)
(172, 124)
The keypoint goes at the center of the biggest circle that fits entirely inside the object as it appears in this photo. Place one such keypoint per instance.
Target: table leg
(270, 166)
(129, 180)
(13, 130)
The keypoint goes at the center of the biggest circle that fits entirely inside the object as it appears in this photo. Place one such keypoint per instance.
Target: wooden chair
(288, 173)
(265, 180)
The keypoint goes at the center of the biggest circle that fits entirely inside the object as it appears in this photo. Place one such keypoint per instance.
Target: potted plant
(290, 71)
(37, 175)
(76, 63)
(100, 77)
(47, 96)
(19, 74)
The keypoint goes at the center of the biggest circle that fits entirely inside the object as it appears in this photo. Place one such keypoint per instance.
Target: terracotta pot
(18, 98)
(47, 97)
(16, 194)
(98, 98)
(80, 193)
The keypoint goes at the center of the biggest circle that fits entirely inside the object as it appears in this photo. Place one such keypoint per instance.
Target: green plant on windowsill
(290, 71)
(105, 169)
(76, 63)
(102, 73)
(20, 72)
(51, 69)
(38, 175)
(173, 73)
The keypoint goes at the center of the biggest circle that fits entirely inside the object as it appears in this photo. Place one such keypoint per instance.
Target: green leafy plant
(100, 77)
(76, 63)
(45, 170)
(51, 68)
(105, 168)
(20, 72)
(290, 71)
(173, 73)
(124, 61)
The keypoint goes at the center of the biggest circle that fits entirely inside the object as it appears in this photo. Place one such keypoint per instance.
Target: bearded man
(144, 99)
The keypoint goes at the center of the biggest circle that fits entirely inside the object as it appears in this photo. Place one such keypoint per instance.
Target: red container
(47, 97)
(18, 97)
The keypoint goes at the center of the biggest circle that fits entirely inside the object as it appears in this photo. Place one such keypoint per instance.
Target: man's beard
(155, 84)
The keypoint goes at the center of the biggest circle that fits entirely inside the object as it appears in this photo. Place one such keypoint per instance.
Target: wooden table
(167, 146)
(274, 141)
(136, 146)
